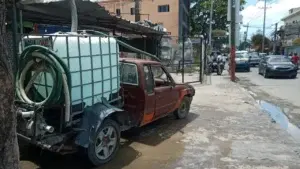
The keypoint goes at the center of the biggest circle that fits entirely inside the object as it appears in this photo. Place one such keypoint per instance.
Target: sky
(276, 9)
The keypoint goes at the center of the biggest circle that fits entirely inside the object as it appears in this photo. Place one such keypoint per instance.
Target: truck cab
(150, 93)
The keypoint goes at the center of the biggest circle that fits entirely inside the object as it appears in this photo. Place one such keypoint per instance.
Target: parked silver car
(254, 59)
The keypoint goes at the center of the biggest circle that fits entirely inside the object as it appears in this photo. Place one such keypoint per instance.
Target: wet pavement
(226, 129)
(278, 116)
(281, 92)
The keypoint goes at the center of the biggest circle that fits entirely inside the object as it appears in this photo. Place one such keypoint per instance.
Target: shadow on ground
(160, 130)
(151, 135)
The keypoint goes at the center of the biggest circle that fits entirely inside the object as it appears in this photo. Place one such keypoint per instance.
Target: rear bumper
(243, 66)
(254, 63)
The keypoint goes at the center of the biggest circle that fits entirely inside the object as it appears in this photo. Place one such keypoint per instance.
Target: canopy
(90, 14)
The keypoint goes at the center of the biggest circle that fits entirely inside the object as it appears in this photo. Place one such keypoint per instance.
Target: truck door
(149, 108)
(165, 94)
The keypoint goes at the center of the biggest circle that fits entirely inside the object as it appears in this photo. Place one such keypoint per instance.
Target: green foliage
(244, 45)
(218, 33)
(200, 14)
(256, 41)
(296, 42)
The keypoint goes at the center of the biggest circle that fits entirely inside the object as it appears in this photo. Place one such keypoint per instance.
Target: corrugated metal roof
(57, 12)
(48, 1)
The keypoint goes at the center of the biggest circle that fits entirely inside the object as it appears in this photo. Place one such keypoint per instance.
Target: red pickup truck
(148, 92)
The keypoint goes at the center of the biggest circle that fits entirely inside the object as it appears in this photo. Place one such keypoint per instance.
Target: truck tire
(105, 144)
(183, 109)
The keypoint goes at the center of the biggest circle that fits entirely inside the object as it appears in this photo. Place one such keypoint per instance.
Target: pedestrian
(295, 59)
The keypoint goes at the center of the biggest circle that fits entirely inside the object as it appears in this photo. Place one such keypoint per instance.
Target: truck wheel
(105, 144)
(183, 109)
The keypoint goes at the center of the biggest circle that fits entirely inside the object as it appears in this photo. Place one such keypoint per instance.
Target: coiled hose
(37, 59)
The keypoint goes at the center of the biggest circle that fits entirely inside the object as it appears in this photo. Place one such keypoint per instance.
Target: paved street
(224, 130)
(283, 93)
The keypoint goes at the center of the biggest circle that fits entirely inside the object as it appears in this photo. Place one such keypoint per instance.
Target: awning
(90, 14)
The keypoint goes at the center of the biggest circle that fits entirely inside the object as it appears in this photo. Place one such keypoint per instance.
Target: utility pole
(246, 34)
(232, 39)
(275, 38)
(210, 23)
(264, 26)
(137, 8)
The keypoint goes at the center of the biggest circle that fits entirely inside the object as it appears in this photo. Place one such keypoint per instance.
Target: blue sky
(276, 9)
(250, 2)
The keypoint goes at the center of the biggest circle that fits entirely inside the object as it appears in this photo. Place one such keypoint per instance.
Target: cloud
(275, 12)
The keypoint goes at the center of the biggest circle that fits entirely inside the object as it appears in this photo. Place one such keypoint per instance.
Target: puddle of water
(279, 117)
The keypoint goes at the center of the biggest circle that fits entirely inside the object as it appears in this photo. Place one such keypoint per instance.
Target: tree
(244, 45)
(256, 41)
(218, 33)
(9, 150)
(200, 13)
(296, 42)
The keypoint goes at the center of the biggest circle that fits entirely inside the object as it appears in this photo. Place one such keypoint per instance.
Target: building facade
(171, 14)
(291, 27)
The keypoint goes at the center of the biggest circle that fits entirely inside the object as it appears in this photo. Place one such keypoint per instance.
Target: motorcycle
(216, 66)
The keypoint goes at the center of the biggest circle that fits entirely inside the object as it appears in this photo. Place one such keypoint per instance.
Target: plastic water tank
(93, 62)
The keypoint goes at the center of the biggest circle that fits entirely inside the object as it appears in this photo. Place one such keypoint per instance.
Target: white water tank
(93, 62)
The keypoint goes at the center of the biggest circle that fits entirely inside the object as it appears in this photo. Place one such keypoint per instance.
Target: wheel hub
(105, 141)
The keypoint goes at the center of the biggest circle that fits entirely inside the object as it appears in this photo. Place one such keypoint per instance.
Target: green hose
(39, 58)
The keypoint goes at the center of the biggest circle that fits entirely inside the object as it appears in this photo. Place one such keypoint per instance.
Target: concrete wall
(149, 10)
(292, 19)
(291, 26)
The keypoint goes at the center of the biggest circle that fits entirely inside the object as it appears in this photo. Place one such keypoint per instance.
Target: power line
(258, 27)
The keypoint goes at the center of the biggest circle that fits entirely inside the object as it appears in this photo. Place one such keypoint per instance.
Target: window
(160, 76)
(278, 59)
(129, 74)
(241, 55)
(132, 11)
(148, 80)
(163, 8)
(118, 12)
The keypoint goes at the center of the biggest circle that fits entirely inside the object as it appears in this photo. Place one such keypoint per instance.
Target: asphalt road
(282, 92)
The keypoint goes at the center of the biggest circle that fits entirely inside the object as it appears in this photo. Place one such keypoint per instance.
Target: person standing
(295, 59)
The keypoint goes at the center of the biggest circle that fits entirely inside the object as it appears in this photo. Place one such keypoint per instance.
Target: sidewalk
(231, 132)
